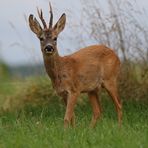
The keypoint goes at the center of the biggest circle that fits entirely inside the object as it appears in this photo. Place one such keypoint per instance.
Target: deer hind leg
(73, 116)
(69, 115)
(111, 87)
(94, 100)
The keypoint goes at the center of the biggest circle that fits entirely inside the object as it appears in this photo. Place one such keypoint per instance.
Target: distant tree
(117, 24)
(4, 71)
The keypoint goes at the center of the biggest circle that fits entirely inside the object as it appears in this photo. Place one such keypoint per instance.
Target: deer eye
(41, 39)
(55, 39)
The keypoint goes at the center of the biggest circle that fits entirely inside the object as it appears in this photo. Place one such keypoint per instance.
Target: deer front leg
(69, 115)
(73, 116)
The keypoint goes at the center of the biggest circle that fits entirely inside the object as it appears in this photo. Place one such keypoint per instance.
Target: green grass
(37, 127)
(42, 126)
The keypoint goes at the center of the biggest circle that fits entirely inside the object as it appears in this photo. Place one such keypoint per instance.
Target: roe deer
(85, 71)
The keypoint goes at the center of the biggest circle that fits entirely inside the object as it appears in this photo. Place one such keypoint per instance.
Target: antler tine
(51, 16)
(40, 14)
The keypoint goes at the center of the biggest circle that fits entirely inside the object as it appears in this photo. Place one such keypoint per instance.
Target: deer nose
(49, 49)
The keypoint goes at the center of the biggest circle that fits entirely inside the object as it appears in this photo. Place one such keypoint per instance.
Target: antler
(51, 16)
(40, 13)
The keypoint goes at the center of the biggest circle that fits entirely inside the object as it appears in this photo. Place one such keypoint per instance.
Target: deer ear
(59, 26)
(34, 25)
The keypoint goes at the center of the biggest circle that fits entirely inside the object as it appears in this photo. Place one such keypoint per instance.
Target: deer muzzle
(49, 49)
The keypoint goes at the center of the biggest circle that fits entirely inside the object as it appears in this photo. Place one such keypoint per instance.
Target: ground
(42, 126)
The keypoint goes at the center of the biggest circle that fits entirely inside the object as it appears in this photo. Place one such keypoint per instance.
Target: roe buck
(87, 70)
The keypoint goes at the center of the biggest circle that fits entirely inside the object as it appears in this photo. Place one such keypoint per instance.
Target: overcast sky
(18, 45)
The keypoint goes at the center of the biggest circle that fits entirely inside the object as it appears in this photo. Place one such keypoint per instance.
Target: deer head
(47, 34)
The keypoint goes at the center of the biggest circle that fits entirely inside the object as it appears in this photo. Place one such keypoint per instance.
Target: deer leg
(111, 87)
(73, 122)
(94, 100)
(69, 115)
(73, 116)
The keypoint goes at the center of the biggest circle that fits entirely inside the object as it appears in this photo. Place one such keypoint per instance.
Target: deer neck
(52, 65)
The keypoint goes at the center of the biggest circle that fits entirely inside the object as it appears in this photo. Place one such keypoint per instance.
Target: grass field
(42, 126)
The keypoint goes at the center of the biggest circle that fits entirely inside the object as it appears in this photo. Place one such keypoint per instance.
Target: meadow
(38, 122)
(31, 114)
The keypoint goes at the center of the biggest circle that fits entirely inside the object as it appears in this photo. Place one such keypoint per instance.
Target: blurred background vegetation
(24, 84)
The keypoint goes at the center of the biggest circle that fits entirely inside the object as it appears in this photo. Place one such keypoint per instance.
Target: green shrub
(34, 91)
(38, 91)
(4, 71)
(133, 81)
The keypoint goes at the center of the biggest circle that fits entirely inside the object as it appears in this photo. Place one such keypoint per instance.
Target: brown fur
(87, 70)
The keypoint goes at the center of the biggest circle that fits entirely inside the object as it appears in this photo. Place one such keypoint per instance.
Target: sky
(18, 45)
